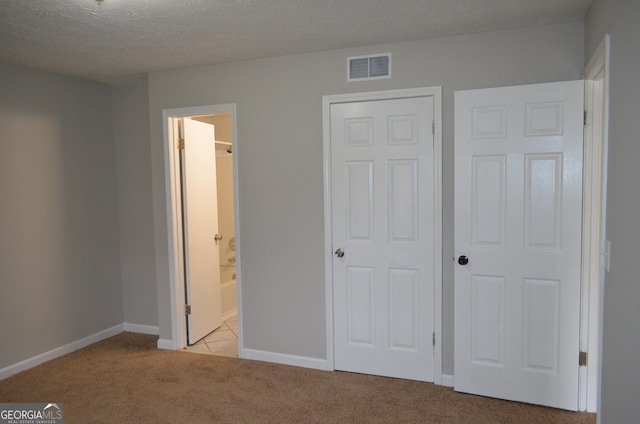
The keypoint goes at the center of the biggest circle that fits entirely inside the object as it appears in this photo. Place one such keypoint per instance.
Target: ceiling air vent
(361, 68)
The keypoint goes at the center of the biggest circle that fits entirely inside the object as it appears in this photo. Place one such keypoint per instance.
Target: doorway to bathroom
(201, 187)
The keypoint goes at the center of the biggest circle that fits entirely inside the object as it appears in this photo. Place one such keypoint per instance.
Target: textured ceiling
(117, 39)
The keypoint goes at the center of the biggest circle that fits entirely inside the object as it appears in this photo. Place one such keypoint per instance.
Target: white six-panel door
(518, 211)
(200, 215)
(382, 183)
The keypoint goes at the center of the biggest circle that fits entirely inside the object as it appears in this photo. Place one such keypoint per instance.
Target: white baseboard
(448, 380)
(60, 351)
(232, 313)
(166, 344)
(142, 329)
(284, 359)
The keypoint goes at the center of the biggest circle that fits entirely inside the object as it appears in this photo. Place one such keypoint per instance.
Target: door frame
(327, 101)
(174, 218)
(594, 248)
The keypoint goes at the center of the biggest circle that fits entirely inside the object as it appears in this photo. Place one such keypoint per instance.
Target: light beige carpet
(125, 379)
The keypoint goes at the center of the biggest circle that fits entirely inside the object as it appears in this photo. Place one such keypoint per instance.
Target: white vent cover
(371, 67)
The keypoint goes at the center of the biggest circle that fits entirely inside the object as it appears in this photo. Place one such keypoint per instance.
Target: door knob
(217, 237)
(463, 260)
(339, 253)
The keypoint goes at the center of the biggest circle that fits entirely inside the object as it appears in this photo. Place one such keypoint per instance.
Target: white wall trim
(232, 313)
(436, 93)
(437, 277)
(167, 344)
(284, 359)
(174, 229)
(141, 328)
(594, 218)
(60, 351)
(448, 380)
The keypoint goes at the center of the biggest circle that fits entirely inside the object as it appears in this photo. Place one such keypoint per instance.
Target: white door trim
(436, 93)
(594, 214)
(174, 218)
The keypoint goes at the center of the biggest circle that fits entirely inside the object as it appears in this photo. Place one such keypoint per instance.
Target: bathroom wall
(224, 166)
(226, 223)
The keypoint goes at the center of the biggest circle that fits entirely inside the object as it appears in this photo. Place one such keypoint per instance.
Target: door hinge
(582, 359)
(433, 128)
(434, 339)
(584, 118)
(187, 309)
(181, 144)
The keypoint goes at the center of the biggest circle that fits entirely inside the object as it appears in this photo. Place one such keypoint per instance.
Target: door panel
(382, 215)
(200, 215)
(518, 209)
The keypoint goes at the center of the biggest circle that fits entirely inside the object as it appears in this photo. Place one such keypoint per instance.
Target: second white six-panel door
(518, 223)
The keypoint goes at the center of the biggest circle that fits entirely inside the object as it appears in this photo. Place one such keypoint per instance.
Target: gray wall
(135, 203)
(621, 334)
(59, 257)
(280, 160)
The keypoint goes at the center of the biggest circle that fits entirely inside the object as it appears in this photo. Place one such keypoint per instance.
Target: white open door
(518, 211)
(200, 216)
(382, 197)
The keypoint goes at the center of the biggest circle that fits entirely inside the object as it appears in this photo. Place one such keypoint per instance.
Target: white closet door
(383, 214)
(518, 211)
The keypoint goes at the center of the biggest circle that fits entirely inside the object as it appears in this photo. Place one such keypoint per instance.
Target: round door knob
(463, 260)
(339, 253)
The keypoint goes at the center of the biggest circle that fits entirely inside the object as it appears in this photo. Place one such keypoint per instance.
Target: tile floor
(223, 341)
